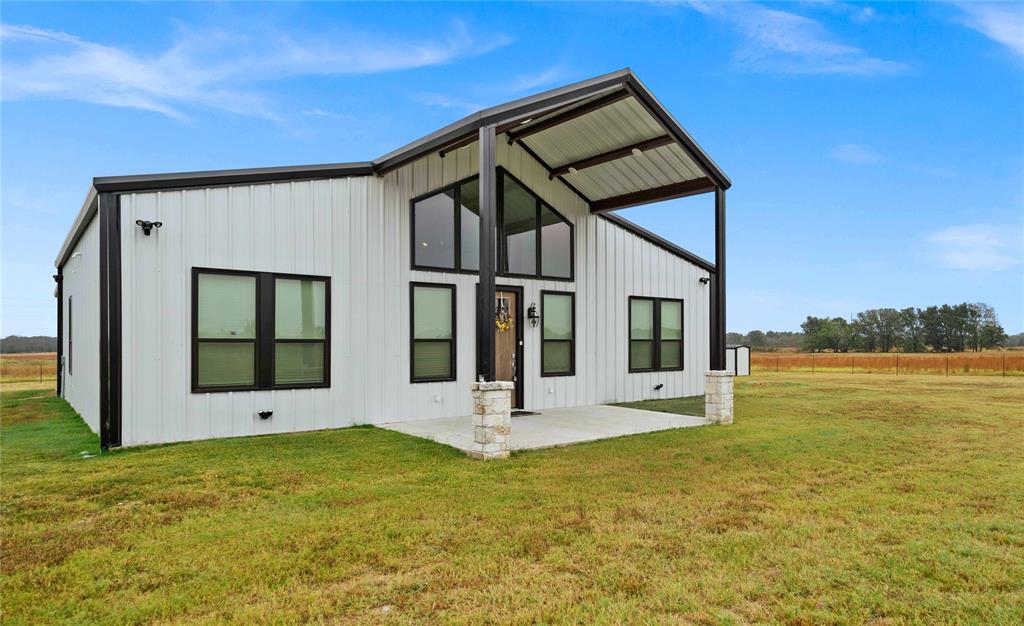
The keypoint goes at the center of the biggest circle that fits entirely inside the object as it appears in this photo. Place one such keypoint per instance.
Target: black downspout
(718, 286)
(485, 349)
(59, 278)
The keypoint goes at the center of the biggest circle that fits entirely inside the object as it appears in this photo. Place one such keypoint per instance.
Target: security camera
(704, 280)
(147, 227)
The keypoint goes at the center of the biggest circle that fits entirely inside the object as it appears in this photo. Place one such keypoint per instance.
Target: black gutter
(662, 243)
(153, 182)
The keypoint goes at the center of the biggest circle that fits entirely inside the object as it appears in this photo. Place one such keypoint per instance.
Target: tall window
(300, 330)
(226, 330)
(655, 334)
(71, 335)
(535, 240)
(518, 228)
(259, 331)
(446, 228)
(432, 335)
(558, 345)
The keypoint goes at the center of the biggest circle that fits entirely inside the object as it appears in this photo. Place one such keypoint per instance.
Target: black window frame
(539, 262)
(453, 342)
(71, 335)
(502, 267)
(656, 335)
(571, 341)
(266, 340)
(455, 188)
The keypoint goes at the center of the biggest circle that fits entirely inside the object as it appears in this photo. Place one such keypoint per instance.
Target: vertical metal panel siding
(357, 231)
(82, 285)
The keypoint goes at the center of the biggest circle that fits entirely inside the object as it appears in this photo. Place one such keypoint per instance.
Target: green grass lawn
(832, 499)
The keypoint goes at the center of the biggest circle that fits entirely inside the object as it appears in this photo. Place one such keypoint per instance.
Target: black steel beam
(59, 278)
(110, 320)
(611, 155)
(718, 286)
(485, 348)
(469, 139)
(565, 116)
(675, 190)
(661, 242)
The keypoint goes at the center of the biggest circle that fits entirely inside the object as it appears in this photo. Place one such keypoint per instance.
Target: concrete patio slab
(551, 427)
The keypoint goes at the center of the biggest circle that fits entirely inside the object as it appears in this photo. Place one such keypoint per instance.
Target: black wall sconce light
(532, 314)
(704, 280)
(265, 415)
(147, 226)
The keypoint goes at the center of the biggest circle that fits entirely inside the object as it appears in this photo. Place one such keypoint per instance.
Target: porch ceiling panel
(620, 124)
(612, 127)
(652, 168)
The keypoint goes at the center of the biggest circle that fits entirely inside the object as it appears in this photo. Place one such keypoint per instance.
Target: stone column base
(492, 419)
(718, 396)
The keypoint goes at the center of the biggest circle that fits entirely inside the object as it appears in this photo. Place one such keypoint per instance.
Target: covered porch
(610, 142)
(550, 428)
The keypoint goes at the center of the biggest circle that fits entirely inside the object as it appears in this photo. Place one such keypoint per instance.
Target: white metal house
(243, 302)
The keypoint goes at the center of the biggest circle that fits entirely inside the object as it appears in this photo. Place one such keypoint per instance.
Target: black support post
(110, 320)
(485, 362)
(59, 277)
(718, 286)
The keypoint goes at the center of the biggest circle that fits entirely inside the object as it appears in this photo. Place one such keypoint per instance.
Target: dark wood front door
(508, 339)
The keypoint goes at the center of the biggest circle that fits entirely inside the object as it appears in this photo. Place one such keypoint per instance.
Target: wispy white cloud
(215, 69)
(857, 153)
(783, 42)
(444, 101)
(532, 82)
(978, 247)
(1001, 22)
(324, 113)
(858, 13)
(490, 92)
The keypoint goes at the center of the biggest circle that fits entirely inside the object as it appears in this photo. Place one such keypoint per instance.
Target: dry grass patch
(846, 500)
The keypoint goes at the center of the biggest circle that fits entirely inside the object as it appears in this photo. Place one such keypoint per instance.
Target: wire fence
(27, 373)
(952, 364)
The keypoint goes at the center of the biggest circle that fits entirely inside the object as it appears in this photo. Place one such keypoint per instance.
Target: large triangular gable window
(534, 240)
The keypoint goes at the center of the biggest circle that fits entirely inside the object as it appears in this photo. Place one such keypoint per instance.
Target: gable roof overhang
(607, 138)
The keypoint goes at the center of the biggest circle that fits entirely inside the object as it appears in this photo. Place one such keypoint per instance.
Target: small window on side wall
(655, 334)
(432, 332)
(558, 341)
(71, 337)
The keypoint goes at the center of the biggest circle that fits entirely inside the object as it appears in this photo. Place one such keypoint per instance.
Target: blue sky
(877, 151)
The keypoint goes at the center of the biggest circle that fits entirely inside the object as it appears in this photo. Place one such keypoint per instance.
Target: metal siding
(356, 230)
(81, 283)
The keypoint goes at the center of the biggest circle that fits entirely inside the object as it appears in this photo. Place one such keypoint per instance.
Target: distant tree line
(946, 328)
(15, 344)
(768, 341)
